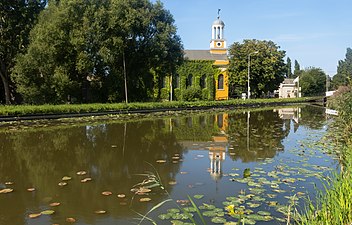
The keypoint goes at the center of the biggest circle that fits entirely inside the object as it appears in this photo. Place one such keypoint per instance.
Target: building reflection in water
(289, 114)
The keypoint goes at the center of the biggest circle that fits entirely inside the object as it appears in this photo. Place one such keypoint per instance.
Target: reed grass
(20, 110)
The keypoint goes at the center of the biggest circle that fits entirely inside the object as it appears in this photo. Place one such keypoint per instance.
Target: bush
(192, 94)
(177, 94)
(164, 94)
(206, 94)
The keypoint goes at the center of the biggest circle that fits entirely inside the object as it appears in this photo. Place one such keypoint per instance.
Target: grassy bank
(335, 206)
(21, 110)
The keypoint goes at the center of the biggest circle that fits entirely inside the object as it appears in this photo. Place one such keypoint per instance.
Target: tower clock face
(219, 44)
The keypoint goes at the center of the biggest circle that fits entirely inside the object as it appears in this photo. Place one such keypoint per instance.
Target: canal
(256, 166)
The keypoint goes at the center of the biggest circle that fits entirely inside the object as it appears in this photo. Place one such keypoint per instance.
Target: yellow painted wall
(222, 94)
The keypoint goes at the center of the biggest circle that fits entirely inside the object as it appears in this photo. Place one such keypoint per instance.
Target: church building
(204, 72)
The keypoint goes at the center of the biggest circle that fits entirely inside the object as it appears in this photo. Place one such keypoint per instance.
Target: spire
(219, 13)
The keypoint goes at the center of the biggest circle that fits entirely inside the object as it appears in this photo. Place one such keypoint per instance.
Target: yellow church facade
(205, 70)
(218, 54)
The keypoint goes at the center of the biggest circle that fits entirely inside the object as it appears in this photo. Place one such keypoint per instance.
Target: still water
(256, 166)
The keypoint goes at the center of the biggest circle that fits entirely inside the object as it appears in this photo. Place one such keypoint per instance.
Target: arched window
(163, 82)
(202, 82)
(221, 82)
(220, 120)
(189, 81)
(177, 81)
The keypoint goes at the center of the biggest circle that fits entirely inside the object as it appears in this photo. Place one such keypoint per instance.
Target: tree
(297, 71)
(289, 68)
(313, 82)
(267, 67)
(78, 47)
(344, 71)
(17, 18)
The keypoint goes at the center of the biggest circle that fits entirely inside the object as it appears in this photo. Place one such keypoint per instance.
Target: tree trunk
(5, 81)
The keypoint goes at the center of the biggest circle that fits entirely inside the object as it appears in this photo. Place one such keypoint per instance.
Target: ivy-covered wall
(182, 90)
(196, 68)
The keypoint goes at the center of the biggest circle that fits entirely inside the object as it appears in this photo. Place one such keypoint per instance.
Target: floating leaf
(121, 195)
(161, 161)
(81, 173)
(86, 180)
(70, 220)
(66, 178)
(183, 172)
(264, 213)
(106, 193)
(145, 199)
(55, 204)
(62, 184)
(100, 211)
(246, 173)
(34, 215)
(6, 190)
(48, 212)
(198, 196)
(164, 216)
(172, 182)
(9, 183)
(30, 189)
(218, 220)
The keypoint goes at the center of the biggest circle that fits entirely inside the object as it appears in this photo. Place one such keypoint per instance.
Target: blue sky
(314, 32)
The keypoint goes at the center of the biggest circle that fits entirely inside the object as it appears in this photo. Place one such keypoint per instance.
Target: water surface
(203, 155)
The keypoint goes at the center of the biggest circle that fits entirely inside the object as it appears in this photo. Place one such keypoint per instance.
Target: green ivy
(198, 68)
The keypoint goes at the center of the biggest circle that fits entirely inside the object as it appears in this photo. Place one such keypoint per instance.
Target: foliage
(313, 82)
(344, 71)
(78, 49)
(164, 95)
(198, 68)
(267, 67)
(334, 206)
(297, 71)
(192, 94)
(206, 94)
(17, 110)
(289, 68)
(177, 94)
(17, 19)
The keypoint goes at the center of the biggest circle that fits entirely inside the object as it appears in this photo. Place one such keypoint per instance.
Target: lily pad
(145, 199)
(34, 215)
(48, 212)
(55, 204)
(218, 220)
(198, 196)
(6, 190)
(66, 178)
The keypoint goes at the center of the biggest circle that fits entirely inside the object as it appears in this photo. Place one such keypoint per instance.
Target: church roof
(203, 55)
(218, 22)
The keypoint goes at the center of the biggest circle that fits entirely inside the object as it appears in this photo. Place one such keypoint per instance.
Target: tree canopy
(289, 68)
(17, 18)
(78, 47)
(344, 71)
(267, 67)
(313, 82)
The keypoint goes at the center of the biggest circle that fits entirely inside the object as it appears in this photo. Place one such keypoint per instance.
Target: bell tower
(218, 42)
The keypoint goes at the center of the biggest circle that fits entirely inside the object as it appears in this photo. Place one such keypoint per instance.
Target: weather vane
(219, 13)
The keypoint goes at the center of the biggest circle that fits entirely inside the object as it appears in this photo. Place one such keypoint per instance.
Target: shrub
(192, 94)
(206, 94)
(177, 94)
(164, 94)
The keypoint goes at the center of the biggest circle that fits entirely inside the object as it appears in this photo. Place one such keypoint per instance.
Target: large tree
(17, 18)
(267, 67)
(344, 71)
(289, 68)
(297, 70)
(313, 82)
(78, 49)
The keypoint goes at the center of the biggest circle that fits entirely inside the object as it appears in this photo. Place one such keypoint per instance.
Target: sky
(316, 33)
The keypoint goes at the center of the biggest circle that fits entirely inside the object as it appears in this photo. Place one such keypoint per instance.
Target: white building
(289, 88)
